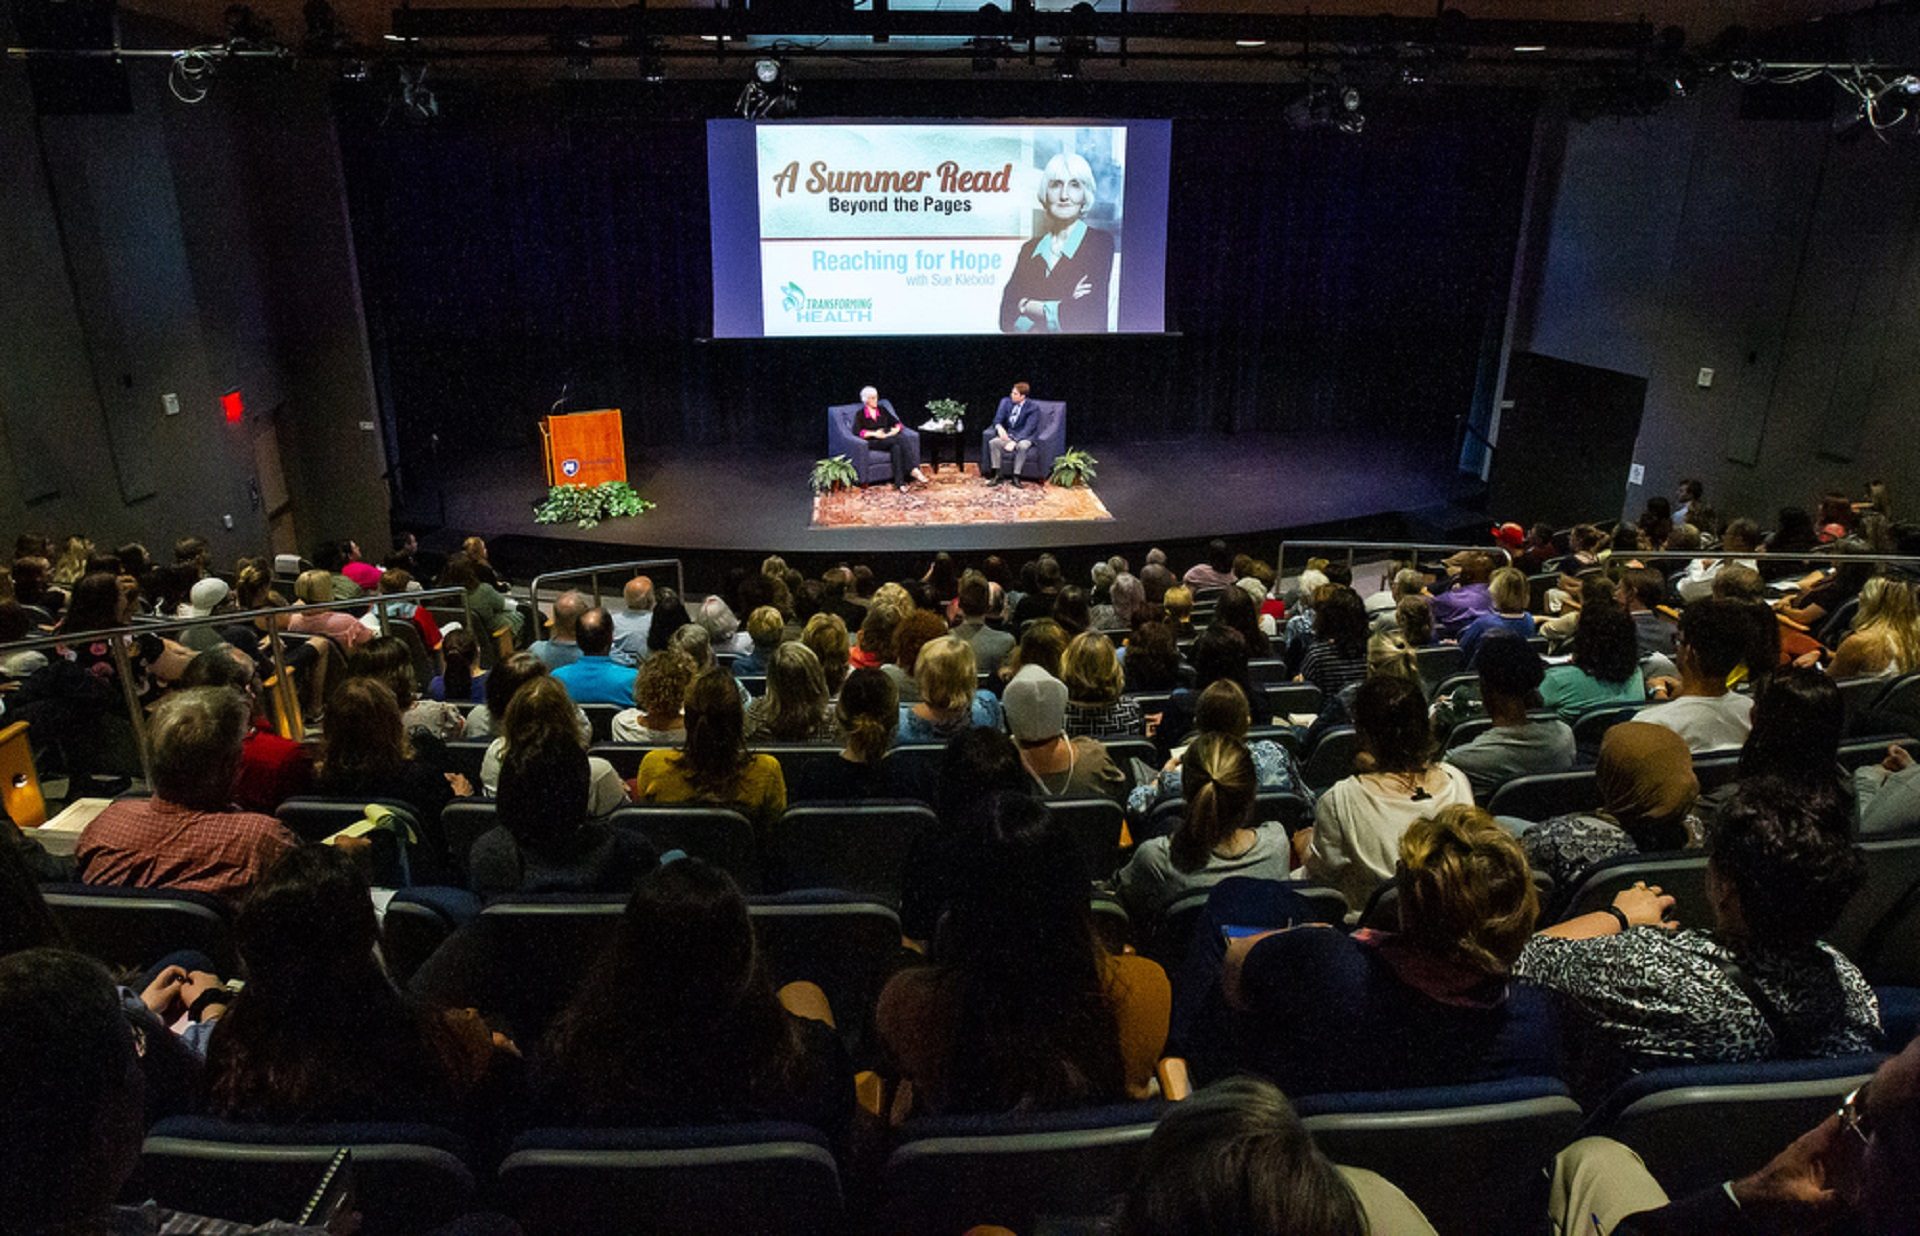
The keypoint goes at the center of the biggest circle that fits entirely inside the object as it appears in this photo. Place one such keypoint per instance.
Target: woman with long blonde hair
(1886, 634)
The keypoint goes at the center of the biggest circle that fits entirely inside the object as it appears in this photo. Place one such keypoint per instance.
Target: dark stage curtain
(1315, 279)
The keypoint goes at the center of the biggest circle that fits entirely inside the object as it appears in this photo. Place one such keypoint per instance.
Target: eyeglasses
(1855, 1114)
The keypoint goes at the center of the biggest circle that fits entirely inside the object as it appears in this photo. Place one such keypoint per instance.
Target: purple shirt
(1454, 612)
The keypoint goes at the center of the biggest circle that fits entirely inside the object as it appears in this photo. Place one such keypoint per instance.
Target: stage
(1252, 487)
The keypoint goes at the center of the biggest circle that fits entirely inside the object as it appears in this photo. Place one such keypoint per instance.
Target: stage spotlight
(770, 92)
(766, 70)
(415, 99)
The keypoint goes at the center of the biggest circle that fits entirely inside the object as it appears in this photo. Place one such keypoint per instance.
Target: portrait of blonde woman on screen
(1062, 281)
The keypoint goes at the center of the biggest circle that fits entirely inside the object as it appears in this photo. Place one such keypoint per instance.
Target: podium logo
(570, 467)
(804, 308)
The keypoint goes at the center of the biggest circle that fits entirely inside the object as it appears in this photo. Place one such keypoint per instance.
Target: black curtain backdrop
(559, 236)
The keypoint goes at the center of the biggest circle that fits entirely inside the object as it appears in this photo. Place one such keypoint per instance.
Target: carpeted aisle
(957, 499)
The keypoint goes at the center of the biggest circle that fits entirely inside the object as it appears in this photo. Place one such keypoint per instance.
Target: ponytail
(1218, 782)
(869, 713)
(868, 739)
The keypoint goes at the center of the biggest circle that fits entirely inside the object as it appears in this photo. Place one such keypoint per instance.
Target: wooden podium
(584, 448)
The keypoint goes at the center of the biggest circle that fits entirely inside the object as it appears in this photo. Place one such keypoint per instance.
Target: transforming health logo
(804, 308)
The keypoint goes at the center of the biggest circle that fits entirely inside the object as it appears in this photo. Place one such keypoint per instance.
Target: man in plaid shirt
(188, 835)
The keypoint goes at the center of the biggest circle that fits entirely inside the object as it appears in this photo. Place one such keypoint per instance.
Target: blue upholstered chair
(778, 1179)
(947, 1173)
(1049, 440)
(407, 1177)
(872, 465)
(134, 927)
(1698, 1125)
(1472, 1157)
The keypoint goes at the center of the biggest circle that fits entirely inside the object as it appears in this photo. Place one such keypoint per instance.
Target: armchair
(871, 465)
(1049, 440)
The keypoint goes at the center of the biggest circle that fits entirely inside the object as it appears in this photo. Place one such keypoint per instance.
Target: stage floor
(740, 499)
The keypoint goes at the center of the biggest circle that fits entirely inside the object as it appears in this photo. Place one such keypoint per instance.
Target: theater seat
(407, 1177)
(1332, 757)
(418, 921)
(949, 1173)
(1546, 795)
(858, 847)
(1167, 939)
(1880, 928)
(1472, 1158)
(1701, 1124)
(1683, 873)
(719, 1180)
(719, 835)
(131, 928)
(1095, 826)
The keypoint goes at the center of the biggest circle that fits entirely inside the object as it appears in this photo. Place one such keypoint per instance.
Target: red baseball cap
(1512, 536)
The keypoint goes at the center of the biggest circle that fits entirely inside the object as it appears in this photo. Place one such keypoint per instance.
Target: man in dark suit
(1013, 427)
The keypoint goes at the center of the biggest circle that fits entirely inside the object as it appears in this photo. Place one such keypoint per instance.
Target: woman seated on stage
(880, 429)
(715, 765)
(950, 695)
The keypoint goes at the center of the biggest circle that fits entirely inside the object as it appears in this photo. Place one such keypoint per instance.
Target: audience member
(1060, 766)
(1432, 1003)
(795, 707)
(1358, 822)
(458, 681)
(545, 839)
(1886, 633)
(1759, 985)
(868, 714)
(1216, 571)
(501, 684)
(950, 695)
(659, 698)
(1641, 592)
(1096, 689)
(1413, 617)
(1237, 609)
(1223, 710)
(765, 629)
(1647, 792)
(319, 1033)
(1219, 654)
(100, 603)
(541, 714)
(1072, 611)
(633, 621)
(387, 658)
(1217, 835)
(678, 1023)
(916, 629)
(715, 765)
(1022, 1007)
(1887, 795)
(1507, 593)
(560, 647)
(669, 615)
(989, 644)
(1455, 609)
(873, 644)
(1605, 670)
(1713, 642)
(187, 835)
(272, 769)
(1151, 659)
(594, 677)
(1517, 744)
(1337, 657)
(367, 754)
(316, 588)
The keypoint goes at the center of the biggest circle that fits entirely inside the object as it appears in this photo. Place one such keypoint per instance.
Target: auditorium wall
(182, 250)
(1767, 250)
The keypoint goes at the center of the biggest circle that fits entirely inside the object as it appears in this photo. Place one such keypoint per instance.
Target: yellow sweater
(760, 792)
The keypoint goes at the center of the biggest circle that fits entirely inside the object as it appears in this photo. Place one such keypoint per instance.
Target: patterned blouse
(1274, 768)
(1650, 998)
(759, 718)
(1099, 720)
(1566, 846)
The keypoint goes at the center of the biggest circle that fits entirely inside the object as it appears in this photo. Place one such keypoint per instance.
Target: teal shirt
(1570, 691)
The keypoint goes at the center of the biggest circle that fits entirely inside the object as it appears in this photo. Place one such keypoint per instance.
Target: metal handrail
(116, 640)
(592, 575)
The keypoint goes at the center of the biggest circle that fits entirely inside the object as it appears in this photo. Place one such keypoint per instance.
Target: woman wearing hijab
(1647, 792)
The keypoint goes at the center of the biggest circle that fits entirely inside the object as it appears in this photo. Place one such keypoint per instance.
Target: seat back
(131, 928)
(1095, 825)
(600, 719)
(1880, 928)
(418, 921)
(20, 796)
(1437, 663)
(720, 835)
(1546, 795)
(1168, 937)
(407, 1178)
(1898, 710)
(858, 847)
(1123, 750)
(463, 821)
(1683, 873)
(1331, 757)
(795, 758)
(950, 1173)
(848, 945)
(1699, 1125)
(709, 1181)
(465, 756)
(1589, 728)
(1472, 1158)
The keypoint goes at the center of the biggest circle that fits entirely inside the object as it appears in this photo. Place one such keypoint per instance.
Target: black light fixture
(769, 91)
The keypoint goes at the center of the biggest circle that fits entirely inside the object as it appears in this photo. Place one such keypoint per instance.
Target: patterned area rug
(952, 497)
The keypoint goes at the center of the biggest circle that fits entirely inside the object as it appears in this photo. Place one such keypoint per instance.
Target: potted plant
(1073, 467)
(948, 415)
(586, 505)
(833, 472)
